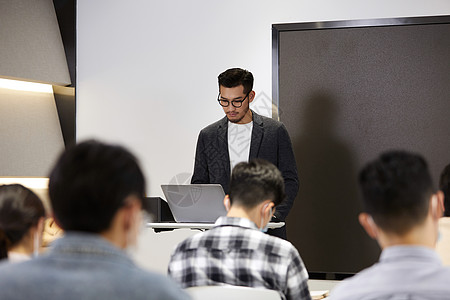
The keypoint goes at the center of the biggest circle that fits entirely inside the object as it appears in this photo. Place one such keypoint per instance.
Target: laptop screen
(200, 203)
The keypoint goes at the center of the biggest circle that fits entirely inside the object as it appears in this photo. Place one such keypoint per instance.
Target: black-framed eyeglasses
(235, 103)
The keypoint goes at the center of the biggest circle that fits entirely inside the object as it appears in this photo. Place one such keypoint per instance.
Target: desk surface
(174, 225)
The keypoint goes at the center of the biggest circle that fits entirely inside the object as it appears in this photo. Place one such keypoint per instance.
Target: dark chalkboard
(346, 91)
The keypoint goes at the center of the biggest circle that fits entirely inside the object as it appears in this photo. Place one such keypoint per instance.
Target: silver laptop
(195, 203)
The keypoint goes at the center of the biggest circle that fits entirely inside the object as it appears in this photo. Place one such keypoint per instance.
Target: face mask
(265, 228)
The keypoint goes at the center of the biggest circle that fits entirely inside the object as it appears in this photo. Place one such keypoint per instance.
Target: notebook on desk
(195, 203)
(317, 295)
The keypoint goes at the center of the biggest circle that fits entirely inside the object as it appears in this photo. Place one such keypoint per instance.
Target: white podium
(200, 226)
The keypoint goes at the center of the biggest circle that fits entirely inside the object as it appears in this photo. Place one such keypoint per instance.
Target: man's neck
(422, 235)
(114, 239)
(22, 248)
(247, 118)
(240, 212)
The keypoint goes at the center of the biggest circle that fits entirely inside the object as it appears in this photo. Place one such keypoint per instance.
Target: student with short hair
(237, 251)
(96, 193)
(401, 211)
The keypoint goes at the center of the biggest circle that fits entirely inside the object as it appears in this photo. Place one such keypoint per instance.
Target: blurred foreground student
(22, 217)
(96, 192)
(237, 251)
(401, 211)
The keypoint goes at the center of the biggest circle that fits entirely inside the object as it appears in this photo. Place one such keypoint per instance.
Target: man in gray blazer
(96, 193)
(241, 136)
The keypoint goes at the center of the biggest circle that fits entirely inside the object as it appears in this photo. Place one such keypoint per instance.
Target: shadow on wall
(323, 223)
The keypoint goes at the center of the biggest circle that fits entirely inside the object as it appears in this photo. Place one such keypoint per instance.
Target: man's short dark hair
(90, 183)
(396, 189)
(235, 77)
(254, 182)
(444, 186)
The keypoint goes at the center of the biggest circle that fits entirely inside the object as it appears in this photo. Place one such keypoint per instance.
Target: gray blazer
(270, 141)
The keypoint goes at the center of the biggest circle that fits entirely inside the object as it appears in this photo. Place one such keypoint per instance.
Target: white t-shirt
(239, 139)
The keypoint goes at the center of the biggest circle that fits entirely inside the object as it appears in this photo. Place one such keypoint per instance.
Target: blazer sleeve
(201, 172)
(288, 168)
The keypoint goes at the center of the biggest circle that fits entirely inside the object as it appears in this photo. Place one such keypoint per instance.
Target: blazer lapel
(257, 135)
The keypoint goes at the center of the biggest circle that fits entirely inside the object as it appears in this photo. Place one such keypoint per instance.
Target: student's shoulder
(193, 242)
(154, 285)
(443, 275)
(279, 246)
(12, 273)
(7, 267)
(5, 271)
(149, 276)
(359, 284)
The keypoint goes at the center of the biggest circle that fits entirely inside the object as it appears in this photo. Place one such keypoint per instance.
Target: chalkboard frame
(278, 29)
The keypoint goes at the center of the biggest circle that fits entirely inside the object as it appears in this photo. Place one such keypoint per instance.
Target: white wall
(147, 70)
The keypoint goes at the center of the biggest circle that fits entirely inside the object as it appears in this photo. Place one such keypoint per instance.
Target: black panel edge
(275, 68)
(362, 23)
(65, 106)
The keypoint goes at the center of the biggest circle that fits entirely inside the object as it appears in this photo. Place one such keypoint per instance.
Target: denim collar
(80, 243)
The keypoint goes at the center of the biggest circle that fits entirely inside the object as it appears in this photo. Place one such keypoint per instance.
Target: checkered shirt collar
(235, 221)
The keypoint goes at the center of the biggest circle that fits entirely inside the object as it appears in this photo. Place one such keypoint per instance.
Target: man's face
(242, 114)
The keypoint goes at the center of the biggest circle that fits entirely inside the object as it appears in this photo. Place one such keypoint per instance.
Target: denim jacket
(83, 266)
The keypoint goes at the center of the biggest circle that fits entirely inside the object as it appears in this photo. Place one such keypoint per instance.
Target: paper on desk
(316, 295)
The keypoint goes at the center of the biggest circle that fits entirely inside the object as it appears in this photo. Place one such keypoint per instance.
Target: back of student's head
(20, 209)
(396, 188)
(254, 182)
(90, 183)
(444, 186)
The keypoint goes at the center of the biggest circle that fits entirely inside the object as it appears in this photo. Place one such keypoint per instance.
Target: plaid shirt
(236, 252)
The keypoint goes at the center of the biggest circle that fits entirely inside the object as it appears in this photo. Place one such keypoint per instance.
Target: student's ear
(437, 205)
(251, 96)
(226, 202)
(441, 196)
(368, 224)
(268, 207)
